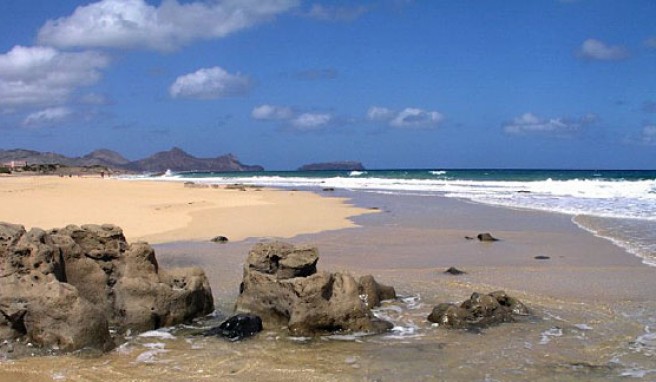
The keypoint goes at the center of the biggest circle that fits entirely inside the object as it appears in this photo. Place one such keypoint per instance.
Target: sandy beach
(159, 212)
(592, 302)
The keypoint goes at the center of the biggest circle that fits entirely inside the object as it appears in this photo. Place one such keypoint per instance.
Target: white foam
(545, 337)
(159, 333)
(598, 197)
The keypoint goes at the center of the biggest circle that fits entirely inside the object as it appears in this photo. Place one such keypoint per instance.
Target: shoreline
(591, 302)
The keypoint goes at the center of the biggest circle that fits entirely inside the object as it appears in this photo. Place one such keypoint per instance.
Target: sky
(391, 83)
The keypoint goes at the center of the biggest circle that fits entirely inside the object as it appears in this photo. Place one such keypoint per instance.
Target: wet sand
(591, 302)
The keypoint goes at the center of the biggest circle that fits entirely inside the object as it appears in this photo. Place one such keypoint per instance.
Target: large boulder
(479, 311)
(282, 286)
(68, 287)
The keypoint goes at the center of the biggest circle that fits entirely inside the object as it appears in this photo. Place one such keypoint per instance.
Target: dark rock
(542, 257)
(373, 293)
(220, 239)
(479, 311)
(328, 189)
(469, 238)
(237, 327)
(486, 237)
(454, 271)
(282, 286)
(65, 288)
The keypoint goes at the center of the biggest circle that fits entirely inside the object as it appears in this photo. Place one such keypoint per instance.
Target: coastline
(591, 302)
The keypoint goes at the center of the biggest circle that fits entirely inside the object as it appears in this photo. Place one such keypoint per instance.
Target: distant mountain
(104, 157)
(33, 157)
(333, 166)
(178, 160)
(175, 160)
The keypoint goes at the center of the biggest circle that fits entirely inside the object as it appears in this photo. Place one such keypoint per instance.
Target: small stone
(454, 271)
(542, 257)
(487, 237)
(219, 239)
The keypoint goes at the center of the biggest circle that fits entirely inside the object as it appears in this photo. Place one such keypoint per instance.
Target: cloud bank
(136, 24)
(43, 76)
(210, 83)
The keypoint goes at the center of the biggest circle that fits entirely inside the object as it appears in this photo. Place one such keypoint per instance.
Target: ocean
(618, 205)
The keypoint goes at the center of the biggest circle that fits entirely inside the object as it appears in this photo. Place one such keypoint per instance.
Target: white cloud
(377, 113)
(38, 76)
(413, 117)
(137, 24)
(406, 118)
(529, 123)
(270, 112)
(597, 50)
(47, 116)
(311, 121)
(210, 83)
(335, 13)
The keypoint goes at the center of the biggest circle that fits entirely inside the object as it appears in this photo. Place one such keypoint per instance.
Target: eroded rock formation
(479, 311)
(66, 288)
(282, 285)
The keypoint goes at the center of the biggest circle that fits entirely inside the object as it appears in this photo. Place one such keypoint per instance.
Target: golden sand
(160, 212)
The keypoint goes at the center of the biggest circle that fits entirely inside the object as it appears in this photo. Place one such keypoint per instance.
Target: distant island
(333, 166)
(103, 160)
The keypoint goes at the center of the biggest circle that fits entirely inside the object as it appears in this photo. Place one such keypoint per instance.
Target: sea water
(618, 205)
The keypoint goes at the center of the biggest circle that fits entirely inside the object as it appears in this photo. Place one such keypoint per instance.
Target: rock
(283, 260)
(486, 237)
(237, 327)
(373, 293)
(542, 257)
(479, 311)
(66, 287)
(282, 286)
(454, 271)
(328, 189)
(219, 239)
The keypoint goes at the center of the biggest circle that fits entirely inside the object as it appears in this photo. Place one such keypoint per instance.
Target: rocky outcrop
(479, 311)
(67, 287)
(281, 284)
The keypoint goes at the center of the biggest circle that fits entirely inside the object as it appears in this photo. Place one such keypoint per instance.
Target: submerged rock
(479, 311)
(282, 286)
(237, 327)
(66, 287)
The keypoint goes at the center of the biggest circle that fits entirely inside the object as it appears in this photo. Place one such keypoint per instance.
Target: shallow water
(577, 332)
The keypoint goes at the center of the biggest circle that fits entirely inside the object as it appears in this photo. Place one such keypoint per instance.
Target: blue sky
(392, 83)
